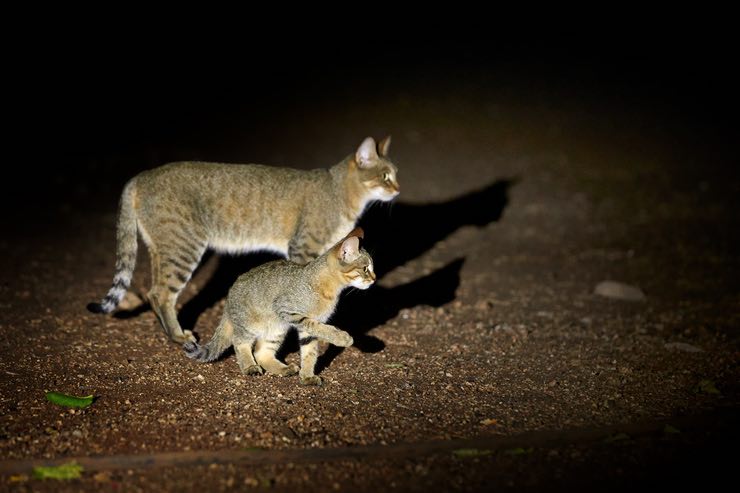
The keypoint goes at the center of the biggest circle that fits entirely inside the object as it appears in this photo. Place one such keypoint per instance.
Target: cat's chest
(324, 314)
(324, 303)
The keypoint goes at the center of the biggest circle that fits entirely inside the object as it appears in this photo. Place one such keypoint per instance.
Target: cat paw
(187, 336)
(254, 370)
(289, 370)
(311, 380)
(343, 339)
(131, 301)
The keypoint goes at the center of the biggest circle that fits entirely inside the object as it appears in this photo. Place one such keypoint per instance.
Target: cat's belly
(245, 245)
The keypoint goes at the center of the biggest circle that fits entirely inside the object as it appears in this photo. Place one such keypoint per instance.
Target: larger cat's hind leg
(172, 267)
(264, 353)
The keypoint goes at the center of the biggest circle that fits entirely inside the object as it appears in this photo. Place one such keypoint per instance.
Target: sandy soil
(484, 324)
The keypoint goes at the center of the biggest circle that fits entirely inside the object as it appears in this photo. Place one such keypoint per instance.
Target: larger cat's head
(354, 264)
(377, 174)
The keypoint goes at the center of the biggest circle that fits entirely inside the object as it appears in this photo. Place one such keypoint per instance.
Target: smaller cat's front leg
(340, 338)
(314, 328)
(309, 333)
(309, 354)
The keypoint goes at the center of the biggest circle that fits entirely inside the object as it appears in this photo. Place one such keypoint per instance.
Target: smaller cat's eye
(366, 269)
(386, 177)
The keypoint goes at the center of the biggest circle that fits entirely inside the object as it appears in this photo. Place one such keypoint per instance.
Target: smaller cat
(267, 301)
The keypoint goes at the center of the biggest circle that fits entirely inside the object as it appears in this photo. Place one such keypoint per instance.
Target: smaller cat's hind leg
(243, 348)
(264, 353)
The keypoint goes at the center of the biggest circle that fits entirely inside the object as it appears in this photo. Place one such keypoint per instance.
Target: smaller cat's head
(378, 175)
(354, 263)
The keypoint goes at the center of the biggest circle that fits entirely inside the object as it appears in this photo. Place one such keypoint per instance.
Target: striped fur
(125, 254)
(182, 209)
(219, 343)
(266, 302)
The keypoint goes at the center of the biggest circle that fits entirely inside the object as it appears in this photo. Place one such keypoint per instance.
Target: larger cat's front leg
(304, 247)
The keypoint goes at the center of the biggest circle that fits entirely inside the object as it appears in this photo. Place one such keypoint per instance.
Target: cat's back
(267, 281)
(209, 176)
(232, 207)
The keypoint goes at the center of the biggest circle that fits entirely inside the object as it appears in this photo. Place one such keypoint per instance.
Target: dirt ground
(483, 358)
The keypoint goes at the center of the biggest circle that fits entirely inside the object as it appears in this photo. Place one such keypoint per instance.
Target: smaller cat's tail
(126, 230)
(219, 343)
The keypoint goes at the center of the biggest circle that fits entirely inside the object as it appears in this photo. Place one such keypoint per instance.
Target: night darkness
(79, 103)
(533, 164)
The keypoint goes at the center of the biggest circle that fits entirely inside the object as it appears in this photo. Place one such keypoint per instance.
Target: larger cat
(267, 301)
(180, 209)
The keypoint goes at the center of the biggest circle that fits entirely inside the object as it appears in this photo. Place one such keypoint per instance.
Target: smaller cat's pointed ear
(383, 146)
(349, 249)
(366, 155)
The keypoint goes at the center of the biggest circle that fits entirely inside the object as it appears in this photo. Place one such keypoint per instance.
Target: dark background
(91, 105)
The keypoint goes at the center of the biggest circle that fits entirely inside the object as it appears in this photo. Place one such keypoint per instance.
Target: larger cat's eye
(386, 177)
(366, 269)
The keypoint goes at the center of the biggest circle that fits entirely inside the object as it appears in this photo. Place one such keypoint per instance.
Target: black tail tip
(95, 308)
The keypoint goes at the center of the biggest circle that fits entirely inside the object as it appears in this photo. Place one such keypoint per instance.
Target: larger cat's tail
(220, 341)
(125, 252)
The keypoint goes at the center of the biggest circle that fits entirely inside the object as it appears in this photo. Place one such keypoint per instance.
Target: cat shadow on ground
(215, 289)
(394, 235)
(398, 234)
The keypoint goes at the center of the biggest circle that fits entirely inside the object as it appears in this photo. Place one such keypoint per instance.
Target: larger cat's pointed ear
(349, 249)
(383, 146)
(366, 155)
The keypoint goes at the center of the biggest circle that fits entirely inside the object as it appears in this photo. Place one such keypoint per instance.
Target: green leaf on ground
(670, 430)
(707, 387)
(518, 451)
(266, 482)
(395, 365)
(69, 400)
(70, 470)
(471, 452)
(617, 437)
